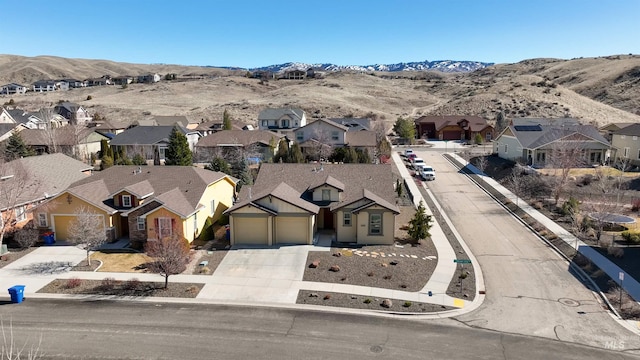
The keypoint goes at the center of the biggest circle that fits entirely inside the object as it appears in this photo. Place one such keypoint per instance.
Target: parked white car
(416, 163)
(427, 173)
(407, 152)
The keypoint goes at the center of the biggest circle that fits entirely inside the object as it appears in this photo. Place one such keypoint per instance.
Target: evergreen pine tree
(226, 121)
(420, 224)
(178, 152)
(350, 156)
(295, 154)
(283, 152)
(501, 122)
(16, 148)
(219, 164)
(363, 156)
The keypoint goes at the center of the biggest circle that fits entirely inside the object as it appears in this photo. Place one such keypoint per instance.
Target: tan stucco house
(143, 202)
(291, 203)
(626, 145)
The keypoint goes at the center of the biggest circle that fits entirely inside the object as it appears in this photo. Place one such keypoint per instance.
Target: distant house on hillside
(122, 80)
(453, 127)
(13, 88)
(149, 78)
(76, 114)
(281, 120)
(75, 83)
(50, 85)
(294, 75)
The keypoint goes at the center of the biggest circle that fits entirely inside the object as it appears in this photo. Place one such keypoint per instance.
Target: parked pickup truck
(407, 152)
(427, 173)
(416, 163)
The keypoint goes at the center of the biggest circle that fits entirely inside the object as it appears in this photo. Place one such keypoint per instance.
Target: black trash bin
(228, 232)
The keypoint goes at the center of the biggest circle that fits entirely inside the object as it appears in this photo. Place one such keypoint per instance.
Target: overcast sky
(347, 32)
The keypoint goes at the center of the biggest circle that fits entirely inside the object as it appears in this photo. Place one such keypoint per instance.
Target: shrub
(370, 273)
(635, 205)
(73, 283)
(407, 304)
(327, 297)
(108, 283)
(570, 206)
(631, 236)
(616, 252)
(89, 97)
(387, 277)
(193, 289)
(204, 270)
(132, 284)
(367, 301)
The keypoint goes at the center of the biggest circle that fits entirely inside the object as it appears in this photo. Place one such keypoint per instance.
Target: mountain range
(449, 66)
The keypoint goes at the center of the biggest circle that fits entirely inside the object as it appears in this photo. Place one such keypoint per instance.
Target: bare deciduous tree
(170, 255)
(88, 230)
(321, 148)
(566, 154)
(516, 182)
(10, 349)
(14, 184)
(27, 236)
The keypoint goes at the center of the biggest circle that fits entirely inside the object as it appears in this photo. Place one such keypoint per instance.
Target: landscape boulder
(334, 268)
(386, 303)
(314, 264)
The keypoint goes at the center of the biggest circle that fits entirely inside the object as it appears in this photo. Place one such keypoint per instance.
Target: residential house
(318, 138)
(292, 203)
(295, 74)
(50, 85)
(626, 145)
(536, 141)
(209, 127)
(76, 114)
(149, 78)
(281, 120)
(36, 120)
(173, 120)
(101, 81)
(143, 202)
(263, 75)
(453, 127)
(149, 141)
(122, 80)
(13, 88)
(75, 141)
(259, 145)
(105, 126)
(7, 129)
(28, 181)
(354, 124)
(75, 83)
(608, 130)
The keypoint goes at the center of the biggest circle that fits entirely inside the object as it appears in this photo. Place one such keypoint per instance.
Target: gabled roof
(7, 128)
(375, 200)
(47, 175)
(179, 188)
(326, 121)
(19, 115)
(536, 136)
(328, 180)
(239, 138)
(476, 123)
(362, 138)
(630, 130)
(273, 114)
(354, 124)
(69, 106)
(171, 120)
(377, 179)
(288, 194)
(141, 189)
(65, 136)
(145, 135)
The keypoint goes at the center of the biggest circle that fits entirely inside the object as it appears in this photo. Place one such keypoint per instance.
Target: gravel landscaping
(365, 302)
(110, 286)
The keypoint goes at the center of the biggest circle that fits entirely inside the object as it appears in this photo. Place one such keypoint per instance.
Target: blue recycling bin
(48, 238)
(16, 293)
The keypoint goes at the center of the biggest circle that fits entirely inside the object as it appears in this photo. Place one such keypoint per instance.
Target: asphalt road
(530, 289)
(130, 330)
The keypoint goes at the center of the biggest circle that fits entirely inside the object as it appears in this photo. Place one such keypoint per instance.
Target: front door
(327, 217)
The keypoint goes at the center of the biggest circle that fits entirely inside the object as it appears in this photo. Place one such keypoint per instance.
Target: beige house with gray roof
(262, 144)
(291, 203)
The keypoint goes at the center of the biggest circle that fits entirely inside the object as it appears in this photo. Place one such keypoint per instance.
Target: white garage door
(292, 229)
(250, 230)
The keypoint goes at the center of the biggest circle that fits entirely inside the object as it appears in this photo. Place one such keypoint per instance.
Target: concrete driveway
(258, 274)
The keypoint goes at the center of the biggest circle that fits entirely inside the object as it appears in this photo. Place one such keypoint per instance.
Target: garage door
(61, 226)
(250, 230)
(451, 135)
(292, 229)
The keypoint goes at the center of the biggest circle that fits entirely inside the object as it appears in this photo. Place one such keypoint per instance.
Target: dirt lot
(110, 286)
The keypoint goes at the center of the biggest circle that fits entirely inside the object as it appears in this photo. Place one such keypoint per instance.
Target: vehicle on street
(427, 173)
(416, 163)
(407, 152)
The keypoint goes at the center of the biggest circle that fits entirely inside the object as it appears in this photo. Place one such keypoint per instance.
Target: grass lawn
(121, 262)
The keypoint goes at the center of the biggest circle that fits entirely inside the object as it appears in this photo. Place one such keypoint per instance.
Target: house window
(213, 206)
(635, 138)
(626, 153)
(195, 222)
(21, 213)
(162, 151)
(346, 219)
(326, 195)
(42, 220)
(299, 136)
(126, 200)
(265, 123)
(334, 136)
(506, 147)
(375, 224)
(284, 123)
(164, 227)
(141, 223)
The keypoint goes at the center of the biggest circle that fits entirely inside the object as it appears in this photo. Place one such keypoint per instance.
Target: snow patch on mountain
(439, 65)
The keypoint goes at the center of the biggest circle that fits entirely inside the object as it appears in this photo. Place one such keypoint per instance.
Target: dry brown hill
(600, 90)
